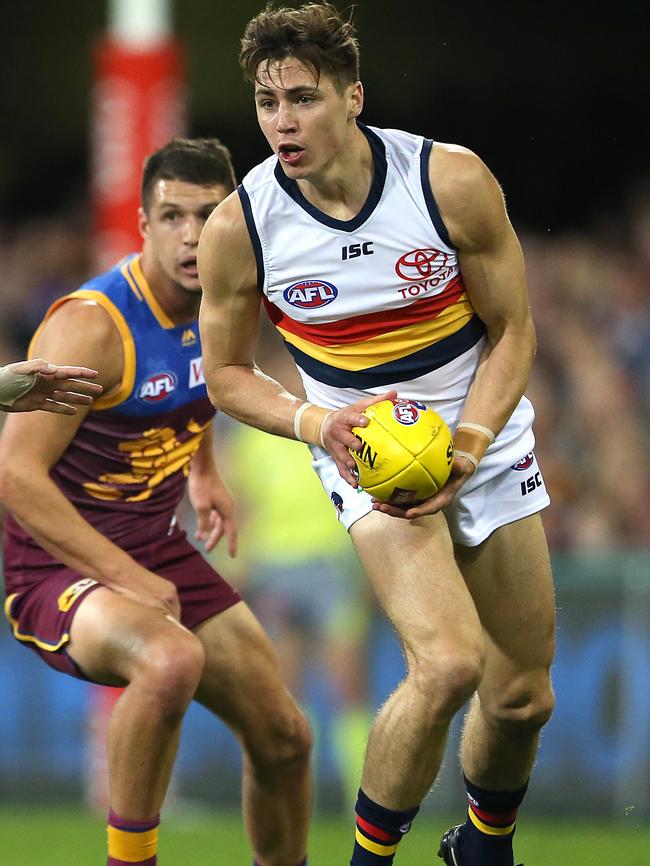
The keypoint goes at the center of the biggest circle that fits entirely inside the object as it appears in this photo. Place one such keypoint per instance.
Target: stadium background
(549, 95)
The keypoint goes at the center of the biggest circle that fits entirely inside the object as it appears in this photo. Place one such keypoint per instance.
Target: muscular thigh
(509, 577)
(411, 567)
(241, 679)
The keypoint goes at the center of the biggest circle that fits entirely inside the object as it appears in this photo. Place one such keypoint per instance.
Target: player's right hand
(151, 590)
(338, 438)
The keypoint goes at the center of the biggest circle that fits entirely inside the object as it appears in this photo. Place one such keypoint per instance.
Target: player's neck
(341, 188)
(179, 304)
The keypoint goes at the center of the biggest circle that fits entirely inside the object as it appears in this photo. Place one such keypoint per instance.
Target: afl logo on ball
(309, 294)
(525, 462)
(407, 412)
(421, 264)
(157, 387)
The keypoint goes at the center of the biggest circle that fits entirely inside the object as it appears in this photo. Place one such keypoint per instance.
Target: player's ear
(356, 99)
(143, 223)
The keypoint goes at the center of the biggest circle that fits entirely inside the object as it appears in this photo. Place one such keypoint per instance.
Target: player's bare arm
(26, 386)
(211, 499)
(31, 444)
(229, 322)
(492, 266)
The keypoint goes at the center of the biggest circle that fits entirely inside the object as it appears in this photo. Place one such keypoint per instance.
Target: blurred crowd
(590, 384)
(296, 568)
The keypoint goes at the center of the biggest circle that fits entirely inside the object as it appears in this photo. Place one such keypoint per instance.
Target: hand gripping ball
(406, 452)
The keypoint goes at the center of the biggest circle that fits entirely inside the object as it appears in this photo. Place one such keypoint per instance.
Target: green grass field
(68, 837)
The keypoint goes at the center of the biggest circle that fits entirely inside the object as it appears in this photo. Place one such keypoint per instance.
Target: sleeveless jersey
(126, 468)
(369, 303)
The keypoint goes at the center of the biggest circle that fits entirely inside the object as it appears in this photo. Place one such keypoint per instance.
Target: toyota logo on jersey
(421, 264)
(407, 412)
(157, 387)
(308, 294)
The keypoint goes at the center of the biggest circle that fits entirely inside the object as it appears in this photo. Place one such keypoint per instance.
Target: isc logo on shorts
(157, 387)
(309, 294)
(72, 593)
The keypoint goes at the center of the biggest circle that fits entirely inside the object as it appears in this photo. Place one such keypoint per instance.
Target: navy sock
(486, 838)
(378, 832)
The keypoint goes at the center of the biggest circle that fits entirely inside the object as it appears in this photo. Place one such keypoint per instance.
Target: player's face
(306, 121)
(171, 229)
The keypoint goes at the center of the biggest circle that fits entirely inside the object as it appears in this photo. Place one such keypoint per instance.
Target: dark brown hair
(314, 33)
(202, 161)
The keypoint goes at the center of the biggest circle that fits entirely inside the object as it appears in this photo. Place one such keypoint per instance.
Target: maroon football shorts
(41, 613)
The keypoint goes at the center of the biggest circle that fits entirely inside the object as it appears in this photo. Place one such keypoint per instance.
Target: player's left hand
(461, 470)
(215, 512)
(55, 389)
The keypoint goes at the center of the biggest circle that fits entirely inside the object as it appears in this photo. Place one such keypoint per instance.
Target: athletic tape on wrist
(467, 456)
(297, 418)
(13, 386)
(468, 425)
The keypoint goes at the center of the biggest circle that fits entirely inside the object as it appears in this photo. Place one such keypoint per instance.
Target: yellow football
(406, 452)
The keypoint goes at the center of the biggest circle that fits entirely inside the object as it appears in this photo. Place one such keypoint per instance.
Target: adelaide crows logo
(525, 462)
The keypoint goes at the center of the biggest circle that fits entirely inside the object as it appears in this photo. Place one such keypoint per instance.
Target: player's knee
(285, 741)
(524, 707)
(171, 670)
(448, 679)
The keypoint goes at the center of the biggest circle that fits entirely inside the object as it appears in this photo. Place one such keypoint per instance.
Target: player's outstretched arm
(32, 443)
(36, 384)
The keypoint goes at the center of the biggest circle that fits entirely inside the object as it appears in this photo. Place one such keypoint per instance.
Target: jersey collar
(374, 195)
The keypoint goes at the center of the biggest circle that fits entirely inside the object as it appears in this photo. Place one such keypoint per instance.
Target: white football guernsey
(370, 302)
(375, 302)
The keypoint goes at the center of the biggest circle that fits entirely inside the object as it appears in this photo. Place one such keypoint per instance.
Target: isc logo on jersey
(157, 387)
(308, 294)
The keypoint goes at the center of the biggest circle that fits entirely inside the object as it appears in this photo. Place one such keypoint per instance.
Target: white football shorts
(507, 485)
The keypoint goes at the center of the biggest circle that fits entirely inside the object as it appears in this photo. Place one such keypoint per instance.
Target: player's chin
(189, 283)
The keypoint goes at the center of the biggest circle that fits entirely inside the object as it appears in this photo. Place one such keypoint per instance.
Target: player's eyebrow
(290, 91)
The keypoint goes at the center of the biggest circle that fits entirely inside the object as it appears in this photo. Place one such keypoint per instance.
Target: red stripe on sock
(377, 832)
(495, 819)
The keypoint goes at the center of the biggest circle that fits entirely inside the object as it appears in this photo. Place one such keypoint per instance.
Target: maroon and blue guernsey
(126, 468)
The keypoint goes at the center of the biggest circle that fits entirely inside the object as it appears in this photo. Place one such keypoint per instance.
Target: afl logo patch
(309, 294)
(421, 264)
(525, 462)
(157, 387)
(407, 412)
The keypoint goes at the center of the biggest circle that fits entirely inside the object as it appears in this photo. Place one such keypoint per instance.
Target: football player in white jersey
(318, 233)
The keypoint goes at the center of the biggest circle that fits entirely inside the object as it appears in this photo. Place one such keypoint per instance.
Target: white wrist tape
(467, 456)
(14, 385)
(297, 418)
(479, 428)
